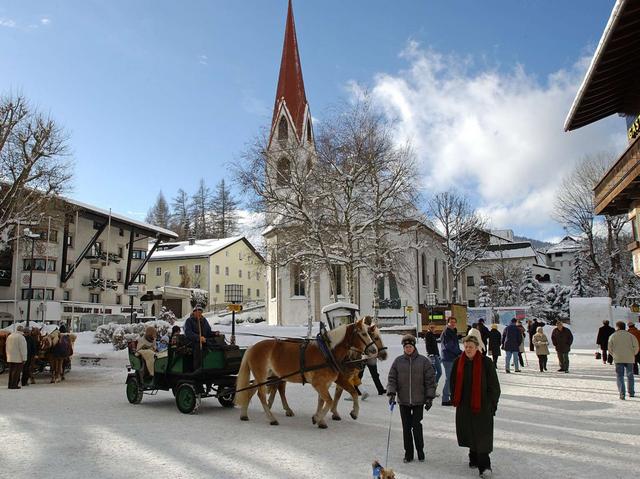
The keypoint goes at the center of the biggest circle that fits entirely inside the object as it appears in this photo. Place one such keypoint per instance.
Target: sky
(157, 94)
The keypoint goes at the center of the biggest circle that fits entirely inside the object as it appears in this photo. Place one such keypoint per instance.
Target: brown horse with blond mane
(293, 362)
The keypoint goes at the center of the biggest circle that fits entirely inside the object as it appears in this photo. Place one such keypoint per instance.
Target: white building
(562, 256)
(85, 259)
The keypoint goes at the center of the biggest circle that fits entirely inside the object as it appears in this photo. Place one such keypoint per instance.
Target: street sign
(133, 290)
(409, 309)
(236, 308)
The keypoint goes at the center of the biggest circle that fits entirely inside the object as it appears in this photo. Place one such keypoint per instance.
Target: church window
(284, 172)
(283, 130)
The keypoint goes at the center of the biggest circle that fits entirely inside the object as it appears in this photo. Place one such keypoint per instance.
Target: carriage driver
(197, 330)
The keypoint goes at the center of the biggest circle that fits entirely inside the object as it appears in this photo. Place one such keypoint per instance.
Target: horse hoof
(353, 416)
(290, 414)
(313, 419)
(274, 423)
(322, 425)
(244, 418)
(336, 417)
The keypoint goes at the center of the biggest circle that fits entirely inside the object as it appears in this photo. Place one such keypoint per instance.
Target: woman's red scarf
(476, 382)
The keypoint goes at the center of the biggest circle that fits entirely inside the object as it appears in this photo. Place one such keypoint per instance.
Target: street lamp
(33, 237)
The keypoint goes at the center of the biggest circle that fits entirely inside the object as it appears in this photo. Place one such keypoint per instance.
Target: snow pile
(120, 334)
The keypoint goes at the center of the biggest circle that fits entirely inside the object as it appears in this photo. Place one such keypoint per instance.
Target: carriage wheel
(3, 366)
(187, 399)
(134, 391)
(227, 399)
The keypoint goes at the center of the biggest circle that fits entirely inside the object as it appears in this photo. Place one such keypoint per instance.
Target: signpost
(133, 290)
(233, 295)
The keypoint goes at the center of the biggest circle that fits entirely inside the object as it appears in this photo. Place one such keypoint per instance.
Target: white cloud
(496, 136)
(45, 21)
(7, 23)
(203, 60)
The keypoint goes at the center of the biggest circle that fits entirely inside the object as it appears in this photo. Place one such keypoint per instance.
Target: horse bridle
(379, 349)
(352, 348)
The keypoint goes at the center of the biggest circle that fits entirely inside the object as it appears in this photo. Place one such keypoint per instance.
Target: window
(248, 292)
(239, 273)
(70, 241)
(40, 264)
(196, 269)
(118, 299)
(425, 281)
(283, 174)
(120, 232)
(471, 281)
(297, 277)
(257, 293)
(95, 273)
(158, 271)
(226, 271)
(68, 267)
(52, 235)
(337, 274)
(119, 276)
(435, 275)
(217, 288)
(273, 281)
(94, 298)
(38, 293)
(167, 277)
(471, 303)
(309, 131)
(444, 279)
(217, 269)
(66, 295)
(141, 279)
(120, 252)
(240, 255)
(283, 131)
(139, 254)
(558, 255)
(181, 270)
(248, 274)
(95, 250)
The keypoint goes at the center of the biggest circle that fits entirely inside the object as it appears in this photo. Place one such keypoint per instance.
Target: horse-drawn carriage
(174, 370)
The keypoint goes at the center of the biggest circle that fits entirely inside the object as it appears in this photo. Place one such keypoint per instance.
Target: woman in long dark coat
(495, 343)
(475, 391)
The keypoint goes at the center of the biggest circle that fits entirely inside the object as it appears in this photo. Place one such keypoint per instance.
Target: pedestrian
(372, 366)
(495, 340)
(541, 344)
(32, 350)
(562, 340)
(62, 327)
(476, 391)
(602, 340)
(412, 380)
(511, 341)
(433, 353)
(16, 349)
(623, 347)
(532, 329)
(521, 348)
(450, 351)
(484, 333)
(475, 332)
(636, 332)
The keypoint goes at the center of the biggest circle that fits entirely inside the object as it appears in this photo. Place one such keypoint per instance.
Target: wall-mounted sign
(634, 128)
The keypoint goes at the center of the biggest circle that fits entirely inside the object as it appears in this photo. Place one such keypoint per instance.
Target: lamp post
(33, 237)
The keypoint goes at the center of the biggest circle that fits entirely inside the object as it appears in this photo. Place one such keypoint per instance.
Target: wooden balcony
(620, 187)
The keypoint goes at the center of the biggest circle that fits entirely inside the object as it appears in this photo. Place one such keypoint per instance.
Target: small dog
(382, 473)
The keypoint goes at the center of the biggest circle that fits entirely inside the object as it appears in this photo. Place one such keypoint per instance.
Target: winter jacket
(475, 431)
(495, 340)
(431, 343)
(562, 339)
(412, 379)
(604, 333)
(623, 346)
(146, 343)
(475, 333)
(450, 345)
(192, 332)
(16, 348)
(541, 343)
(635, 331)
(484, 332)
(511, 338)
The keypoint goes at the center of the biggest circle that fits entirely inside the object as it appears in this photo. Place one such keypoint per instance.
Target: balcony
(620, 186)
(101, 256)
(100, 283)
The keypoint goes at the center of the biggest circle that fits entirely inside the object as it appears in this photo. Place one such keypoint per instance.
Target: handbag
(598, 355)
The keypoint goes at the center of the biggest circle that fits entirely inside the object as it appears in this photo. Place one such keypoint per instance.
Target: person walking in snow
(16, 349)
(521, 348)
(450, 351)
(624, 346)
(484, 333)
(412, 380)
(495, 342)
(636, 332)
(602, 339)
(433, 353)
(476, 333)
(541, 344)
(562, 339)
(476, 392)
(511, 341)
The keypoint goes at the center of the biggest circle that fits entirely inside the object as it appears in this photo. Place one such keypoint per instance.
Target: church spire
(290, 93)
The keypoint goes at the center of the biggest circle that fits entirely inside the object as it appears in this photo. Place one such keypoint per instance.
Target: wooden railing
(617, 175)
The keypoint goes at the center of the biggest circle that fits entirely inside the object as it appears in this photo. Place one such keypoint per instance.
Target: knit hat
(408, 339)
(494, 326)
(198, 307)
(471, 339)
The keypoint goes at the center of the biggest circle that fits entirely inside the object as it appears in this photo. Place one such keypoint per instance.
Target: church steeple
(291, 100)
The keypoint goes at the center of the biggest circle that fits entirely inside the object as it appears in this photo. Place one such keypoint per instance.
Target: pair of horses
(54, 348)
(287, 362)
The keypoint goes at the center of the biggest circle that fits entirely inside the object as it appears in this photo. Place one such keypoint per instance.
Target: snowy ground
(548, 425)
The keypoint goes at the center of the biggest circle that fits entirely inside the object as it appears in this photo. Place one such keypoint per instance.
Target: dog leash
(391, 407)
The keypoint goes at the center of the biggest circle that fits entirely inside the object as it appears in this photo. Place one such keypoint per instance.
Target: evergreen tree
(224, 208)
(578, 280)
(199, 211)
(532, 295)
(484, 297)
(180, 219)
(159, 213)
(507, 295)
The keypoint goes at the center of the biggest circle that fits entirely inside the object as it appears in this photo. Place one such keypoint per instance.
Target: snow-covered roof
(566, 245)
(146, 227)
(339, 305)
(510, 251)
(202, 248)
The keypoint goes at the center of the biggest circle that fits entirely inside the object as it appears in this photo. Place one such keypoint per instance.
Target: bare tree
(575, 209)
(34, 164)
(180, 218)
(224, 209)
(464, 241)
(199, 210)
(159, 213)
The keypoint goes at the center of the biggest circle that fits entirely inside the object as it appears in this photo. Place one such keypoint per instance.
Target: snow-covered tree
(557, 303)
(159, 214)
(167, 315)
(224, 209)
(532, 295)
(484, 297)
(507, 293)
(578, 279)
(199, 298)
(200, 212)
(180, 218)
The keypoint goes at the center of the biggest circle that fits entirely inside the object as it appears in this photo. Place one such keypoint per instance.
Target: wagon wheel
(227, 399)
(187, 399)
(3, 366)
(134, 390)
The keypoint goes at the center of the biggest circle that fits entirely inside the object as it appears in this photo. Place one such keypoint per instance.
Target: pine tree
(180, 219)
(532, 295)
(159, 213)
(199, 211)
(224, 208)
(484, 297)
(579, 284)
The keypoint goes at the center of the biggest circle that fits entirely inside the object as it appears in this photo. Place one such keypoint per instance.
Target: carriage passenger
(147, 348)
(197, 330)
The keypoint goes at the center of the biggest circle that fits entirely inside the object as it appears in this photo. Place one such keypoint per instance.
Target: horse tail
(242, 381)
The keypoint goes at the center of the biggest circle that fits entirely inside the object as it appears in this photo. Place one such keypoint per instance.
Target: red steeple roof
(290, 82)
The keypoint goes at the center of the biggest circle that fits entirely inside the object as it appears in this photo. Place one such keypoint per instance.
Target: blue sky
(157, 94)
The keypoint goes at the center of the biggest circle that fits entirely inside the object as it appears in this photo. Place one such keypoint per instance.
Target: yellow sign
(235, 307)
(633, 130)
(409, 309)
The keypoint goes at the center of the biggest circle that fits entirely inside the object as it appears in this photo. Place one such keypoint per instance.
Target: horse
(57, 348)
(294, 362)
(347, 379)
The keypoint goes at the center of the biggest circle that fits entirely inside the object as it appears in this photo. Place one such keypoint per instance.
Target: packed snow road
(550, 425)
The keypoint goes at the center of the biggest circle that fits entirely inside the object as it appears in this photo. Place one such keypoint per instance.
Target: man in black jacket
(433, 352)
(603, 339)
